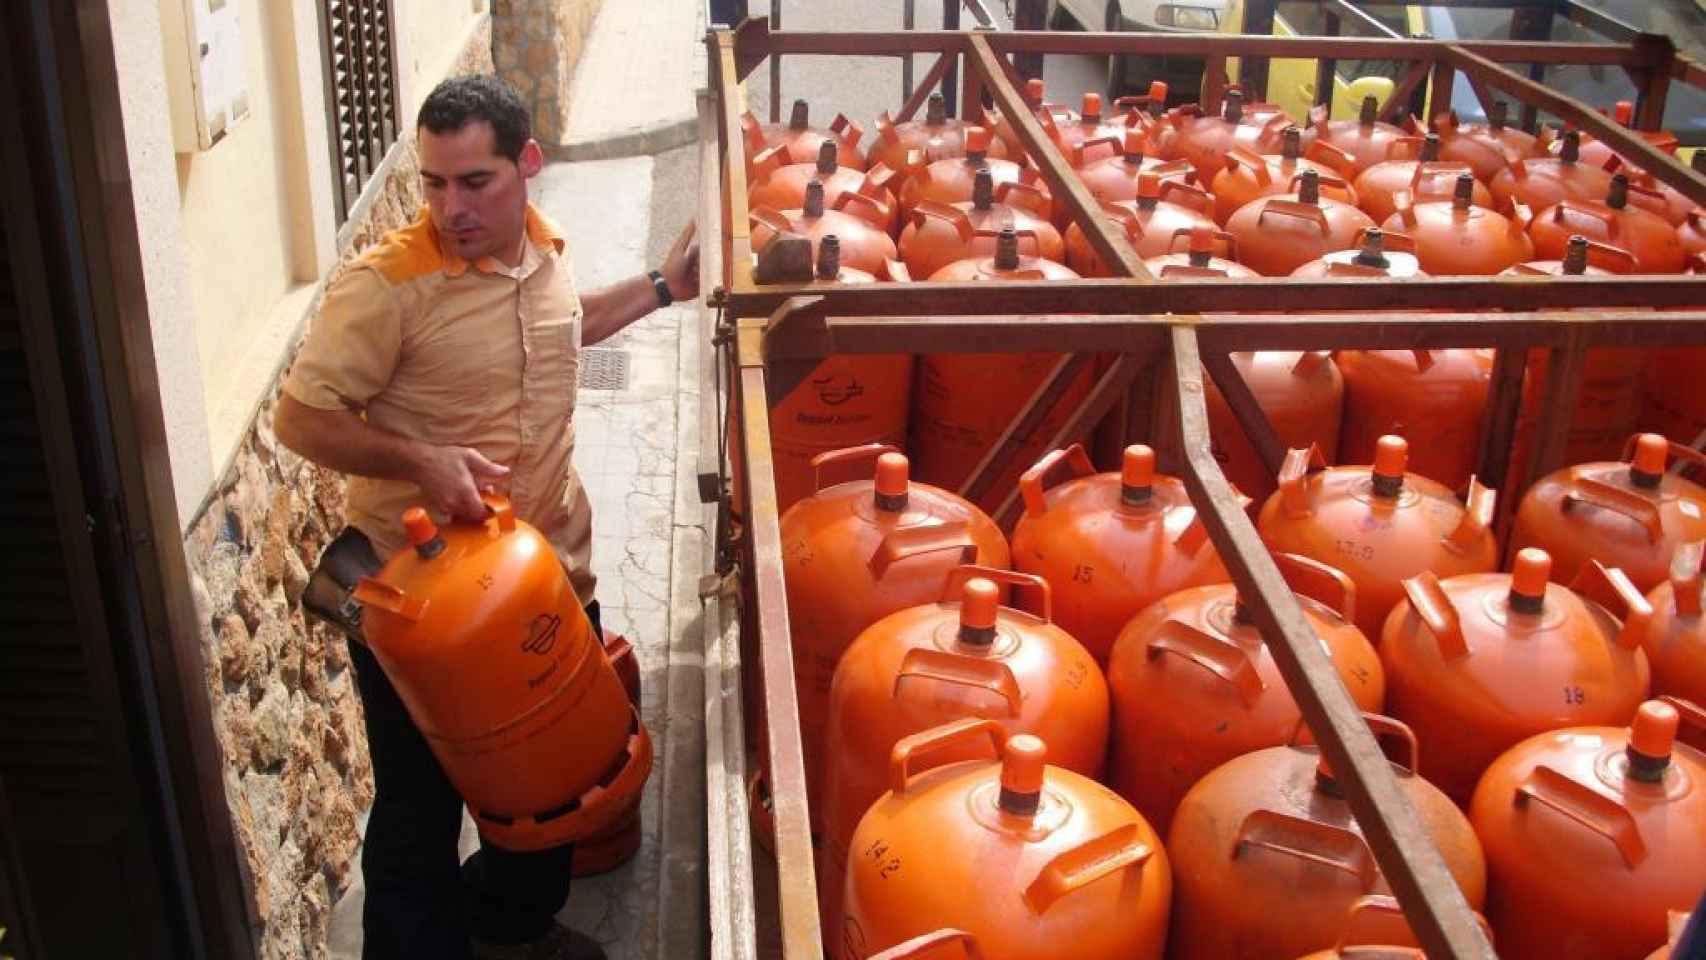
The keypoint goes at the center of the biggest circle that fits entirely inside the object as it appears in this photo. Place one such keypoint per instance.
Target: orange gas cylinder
(1593, 835)
(1596, 151)
(863, 246)
(1188, 134)
(478, 629)
(1090, 136)
(1019, 858)
(936, 137)
(1278, 234)
(1678, 924)
(1540, 182)
(854, 553)
(1379, 524)
(1672, 402)
(1162, 209)
(1487, 148)
(1475, 663)
(964, 656)
(1655, 244)
(1365, 140)
(782, 186)
(1114, 542)
(1647, 191)
(954, 179)
(1118, 177)
(1382, 254)
(963, 402)
(941, 234)
(1194, 684)
(1455, 237)
(801, 141)
(1631, 514)
(1249, 176)
(1033, 94)
(846, 401)
(1375, 928)
(1427, 178)
(1302, 395)
(1432, 398)
(1609, 405)
(1207, 253)
(1676, 636)
(1268, 856)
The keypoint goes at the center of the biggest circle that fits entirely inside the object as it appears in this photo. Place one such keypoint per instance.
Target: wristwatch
(665, 298)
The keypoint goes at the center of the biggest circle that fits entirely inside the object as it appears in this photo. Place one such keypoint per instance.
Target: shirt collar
(541, 231)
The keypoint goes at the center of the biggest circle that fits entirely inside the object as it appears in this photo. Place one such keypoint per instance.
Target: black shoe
(560, 943)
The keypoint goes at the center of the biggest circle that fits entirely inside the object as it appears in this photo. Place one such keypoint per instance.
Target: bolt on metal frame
(1162, 336)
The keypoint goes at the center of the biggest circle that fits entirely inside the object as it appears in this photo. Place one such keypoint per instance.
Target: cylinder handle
(1034, 482)
(1310, 841)
(1477, 517)
(1299, 464)
(928, 946)
(1222, 658)
(1686, 580)
(1436, 611)
(373, 592)
(1585, 806)
(955, 733)
(1012, 578)
(1611, 588)
(867, 451)
(908, 542)
(1595, 492)
(945, 666)
(1071, 870)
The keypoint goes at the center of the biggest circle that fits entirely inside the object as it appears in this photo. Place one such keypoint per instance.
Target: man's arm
(607, 311)
(451, 477)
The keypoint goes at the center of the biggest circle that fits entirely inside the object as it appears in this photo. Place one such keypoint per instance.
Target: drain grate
(604, 369)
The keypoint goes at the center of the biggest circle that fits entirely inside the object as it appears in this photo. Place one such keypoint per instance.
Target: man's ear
(532, 159)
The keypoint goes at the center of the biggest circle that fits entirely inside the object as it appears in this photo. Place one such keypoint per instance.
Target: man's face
(478, 196)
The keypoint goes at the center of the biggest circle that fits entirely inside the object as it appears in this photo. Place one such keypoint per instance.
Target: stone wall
(288, 718)
(535, 46)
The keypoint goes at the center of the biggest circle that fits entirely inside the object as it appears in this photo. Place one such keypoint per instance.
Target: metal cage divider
(782, 330)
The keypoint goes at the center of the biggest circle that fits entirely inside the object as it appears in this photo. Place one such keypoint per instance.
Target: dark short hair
(458, 101)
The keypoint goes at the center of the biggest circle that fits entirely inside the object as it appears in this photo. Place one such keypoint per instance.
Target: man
(443, 364)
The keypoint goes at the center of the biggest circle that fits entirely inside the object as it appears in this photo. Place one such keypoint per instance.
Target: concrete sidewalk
(632, 93)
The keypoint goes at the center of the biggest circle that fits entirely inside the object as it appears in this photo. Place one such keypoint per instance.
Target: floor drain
(604, 369)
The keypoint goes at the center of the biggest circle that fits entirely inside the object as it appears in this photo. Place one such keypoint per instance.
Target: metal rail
(783, 330)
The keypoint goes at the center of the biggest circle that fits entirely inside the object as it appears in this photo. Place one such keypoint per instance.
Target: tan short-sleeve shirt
(429, 346)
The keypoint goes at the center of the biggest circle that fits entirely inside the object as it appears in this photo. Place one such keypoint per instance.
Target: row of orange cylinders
(1454, 654)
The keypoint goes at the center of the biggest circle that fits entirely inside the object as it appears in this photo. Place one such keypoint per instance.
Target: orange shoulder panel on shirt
(406, 253)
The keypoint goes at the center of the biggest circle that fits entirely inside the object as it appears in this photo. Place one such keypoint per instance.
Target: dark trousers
(421, 903)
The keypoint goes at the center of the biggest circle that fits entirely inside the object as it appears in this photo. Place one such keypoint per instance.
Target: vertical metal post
(1439, 92)
(908, 21)
(1253, 74)
(1531, 23)
(775, 66)
(1654, 85)
(951, 77)
(1029, 15)
(1325, 67)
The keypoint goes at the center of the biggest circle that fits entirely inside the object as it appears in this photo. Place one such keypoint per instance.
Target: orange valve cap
(1137, 474)
(1092, 105)
(422, 533)
(1624, 111)
(1134, 143)
(1022, 765)
(893, 471)
(1529, 573)
(1034, 90)
(1148, 186)
(978, 601)
(1648, 466)
(1651, 737)
(1391, 460)
(977, 141)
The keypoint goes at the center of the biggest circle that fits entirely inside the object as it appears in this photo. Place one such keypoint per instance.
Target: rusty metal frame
(783, 330)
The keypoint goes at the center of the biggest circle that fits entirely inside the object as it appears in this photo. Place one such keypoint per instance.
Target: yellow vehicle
(1291, 82)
